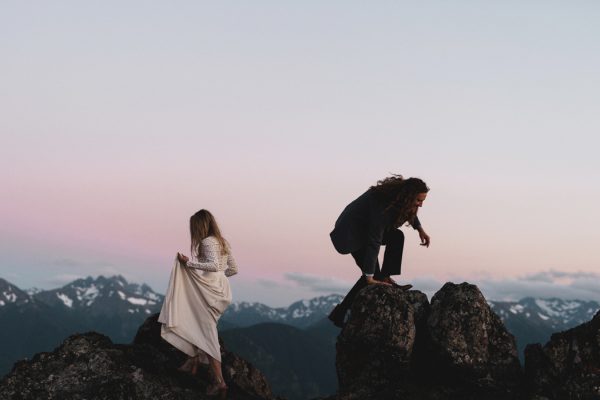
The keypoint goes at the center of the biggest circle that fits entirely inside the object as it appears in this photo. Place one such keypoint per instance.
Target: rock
(469, 345)
(396, 345)
(89, 366)
(375, 348)
(568, 366)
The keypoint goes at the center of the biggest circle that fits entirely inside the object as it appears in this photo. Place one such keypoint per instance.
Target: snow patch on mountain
(549, 307)
(65, 299)
(137, 301)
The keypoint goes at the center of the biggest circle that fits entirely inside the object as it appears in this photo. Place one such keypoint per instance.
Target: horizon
(429, 294)
(120, 121)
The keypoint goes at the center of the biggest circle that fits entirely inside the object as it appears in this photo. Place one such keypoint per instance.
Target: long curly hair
(401, 194)
(202, 225)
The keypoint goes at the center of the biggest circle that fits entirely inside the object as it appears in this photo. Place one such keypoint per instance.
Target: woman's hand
(182, 259)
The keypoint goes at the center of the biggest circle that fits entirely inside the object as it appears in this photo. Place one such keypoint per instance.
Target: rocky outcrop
(398, 346)
(90, 366)
(377, 345)
(568, 366)
(469, 345)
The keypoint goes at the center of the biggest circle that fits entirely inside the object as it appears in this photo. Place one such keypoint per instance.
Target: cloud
(71, 263)
(69, 269)
(269, 283)
(567, 285)
(63, 279)
(578, 285)
(554, 275)
(318, 283)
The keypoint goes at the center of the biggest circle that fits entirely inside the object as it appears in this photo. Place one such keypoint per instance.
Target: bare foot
(217, 388)
(195, 365)
(394, 283)
(187, 365)
(373, 281)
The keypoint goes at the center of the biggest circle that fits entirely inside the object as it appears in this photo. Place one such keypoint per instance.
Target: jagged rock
(237, 371)
(396, 345)
(568, 366)
(375, 348)
(89, 366)
(469, 345)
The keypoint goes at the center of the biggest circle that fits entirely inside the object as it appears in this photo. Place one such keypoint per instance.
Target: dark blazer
(362, 225)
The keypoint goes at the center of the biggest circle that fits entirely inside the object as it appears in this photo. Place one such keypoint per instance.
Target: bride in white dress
(197, 296)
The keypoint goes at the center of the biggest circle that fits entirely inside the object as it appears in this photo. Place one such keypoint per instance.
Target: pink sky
(116, 128)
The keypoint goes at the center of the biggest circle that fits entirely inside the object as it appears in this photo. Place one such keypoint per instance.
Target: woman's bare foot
(217, 388)
(195, 365)
(190, 365)
(187, 365)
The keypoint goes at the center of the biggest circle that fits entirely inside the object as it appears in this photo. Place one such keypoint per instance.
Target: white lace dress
(197, 296)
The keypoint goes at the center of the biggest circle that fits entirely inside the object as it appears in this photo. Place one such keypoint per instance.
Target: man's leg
(392, 258)
(339, 312)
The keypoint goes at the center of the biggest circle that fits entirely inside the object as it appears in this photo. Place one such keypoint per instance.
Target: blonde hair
(203, 225)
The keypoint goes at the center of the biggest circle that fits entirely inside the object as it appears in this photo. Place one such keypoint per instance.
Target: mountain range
(37, 320)
(294, 346)
(535, 320)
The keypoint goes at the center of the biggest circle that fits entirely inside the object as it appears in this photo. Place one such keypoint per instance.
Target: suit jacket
(362, 225)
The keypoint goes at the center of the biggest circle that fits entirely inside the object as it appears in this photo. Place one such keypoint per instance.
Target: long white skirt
(194, 302)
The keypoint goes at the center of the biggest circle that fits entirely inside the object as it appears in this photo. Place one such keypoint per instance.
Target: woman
(197, 296)
(372, 220)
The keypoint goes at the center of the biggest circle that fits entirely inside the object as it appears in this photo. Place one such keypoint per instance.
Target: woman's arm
(232, 268)
(210, 251)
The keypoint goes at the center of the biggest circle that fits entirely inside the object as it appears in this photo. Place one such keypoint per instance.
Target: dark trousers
(392, 264)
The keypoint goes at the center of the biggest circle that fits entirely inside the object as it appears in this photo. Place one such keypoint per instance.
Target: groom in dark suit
(372, 221)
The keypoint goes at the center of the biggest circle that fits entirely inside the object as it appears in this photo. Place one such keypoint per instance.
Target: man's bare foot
(392, 282)
(373, 281)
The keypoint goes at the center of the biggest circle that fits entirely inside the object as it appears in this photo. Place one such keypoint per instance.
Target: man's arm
(425, 239)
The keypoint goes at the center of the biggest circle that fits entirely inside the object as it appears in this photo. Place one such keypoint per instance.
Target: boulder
(396, 345)
(375, 348)
(568, 366)
(468, 344)
(89, 366)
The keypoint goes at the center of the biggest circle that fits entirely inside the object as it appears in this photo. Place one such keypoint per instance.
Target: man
(372, 220)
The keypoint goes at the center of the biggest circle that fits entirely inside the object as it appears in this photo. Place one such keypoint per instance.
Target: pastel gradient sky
(118, 120)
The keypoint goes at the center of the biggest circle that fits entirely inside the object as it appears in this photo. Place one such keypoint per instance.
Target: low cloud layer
(578, 285)
(319, 284)
(552, 283)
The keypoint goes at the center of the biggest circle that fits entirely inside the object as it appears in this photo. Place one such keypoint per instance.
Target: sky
(119, 120)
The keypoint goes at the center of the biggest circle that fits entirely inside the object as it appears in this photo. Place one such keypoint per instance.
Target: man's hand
(425, 239)
(182, 259)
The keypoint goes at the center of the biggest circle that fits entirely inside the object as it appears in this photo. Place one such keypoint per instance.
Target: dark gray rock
(398, 346)
(469, 345)
(89, 366)
(375, 348)
(568, 366)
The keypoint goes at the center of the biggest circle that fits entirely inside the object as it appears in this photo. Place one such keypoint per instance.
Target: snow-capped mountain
(104, 296)
(37, 320)
(555, 313)
(534, 320)
(299, 314)
(10, 294)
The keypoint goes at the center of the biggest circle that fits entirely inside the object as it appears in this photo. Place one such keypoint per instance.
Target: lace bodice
(212, 260)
